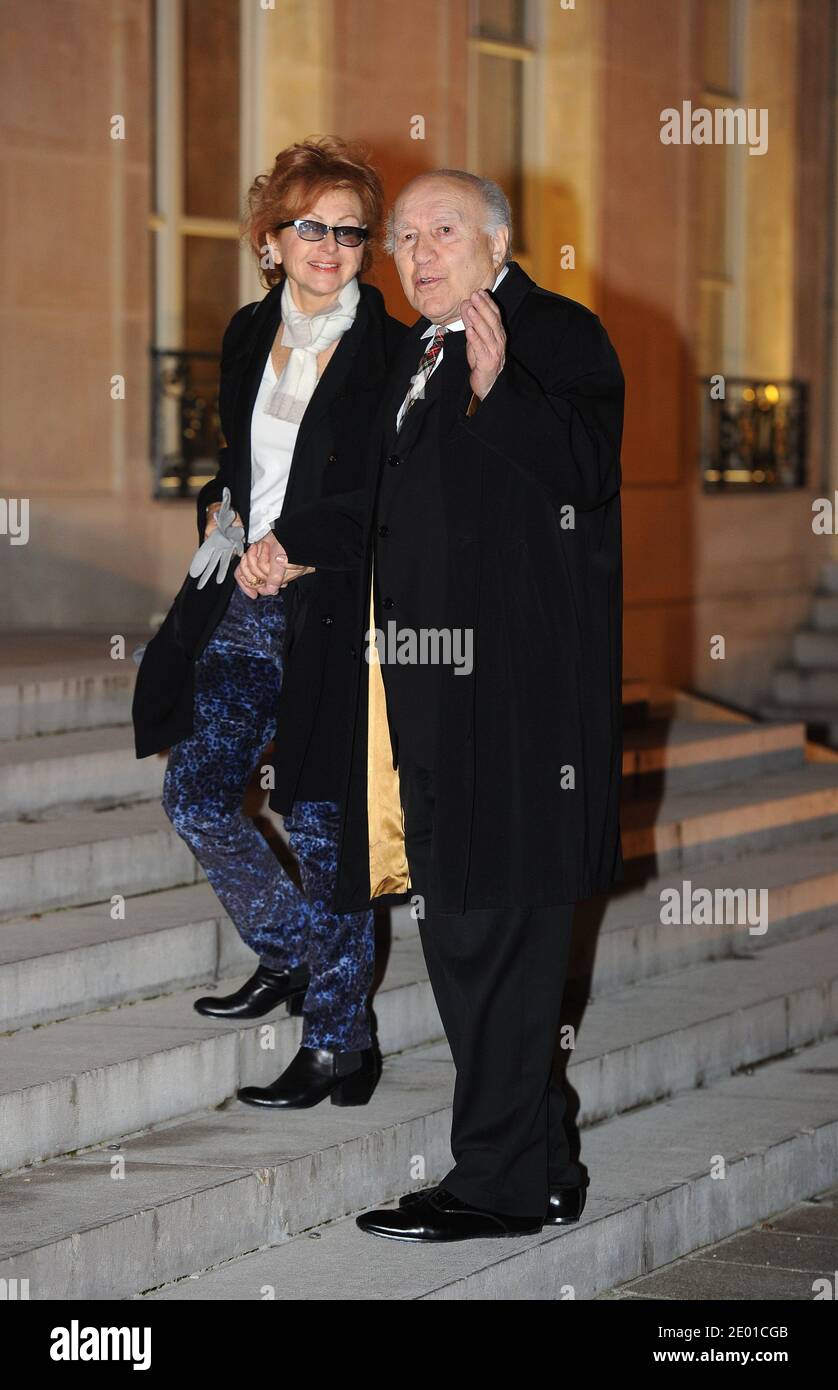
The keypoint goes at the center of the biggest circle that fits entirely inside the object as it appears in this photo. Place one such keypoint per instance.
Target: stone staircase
(702, 1080)
(806, 687)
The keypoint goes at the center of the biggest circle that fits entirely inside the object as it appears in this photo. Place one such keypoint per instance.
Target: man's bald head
(449, 232)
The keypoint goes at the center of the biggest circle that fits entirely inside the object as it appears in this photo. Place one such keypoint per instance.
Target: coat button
(333, 458)
(354, 651)
(388, 603)
(384, 530)
(327, 620)
(394, 460)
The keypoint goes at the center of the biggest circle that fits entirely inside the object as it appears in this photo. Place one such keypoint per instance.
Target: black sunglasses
(316, 231)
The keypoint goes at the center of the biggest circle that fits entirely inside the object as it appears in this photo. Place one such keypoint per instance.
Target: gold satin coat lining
(389, 872)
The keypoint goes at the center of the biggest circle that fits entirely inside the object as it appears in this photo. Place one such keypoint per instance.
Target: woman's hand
(212, 524)
(262, 568)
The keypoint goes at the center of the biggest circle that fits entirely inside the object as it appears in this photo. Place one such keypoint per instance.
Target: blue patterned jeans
(237, 683)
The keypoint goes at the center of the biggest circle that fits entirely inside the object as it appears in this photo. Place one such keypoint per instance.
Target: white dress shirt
(272, 444)
(456, 327)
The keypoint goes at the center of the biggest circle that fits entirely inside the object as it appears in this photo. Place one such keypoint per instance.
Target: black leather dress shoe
(420, 1195)
(260, 994)
(566, 1203)
(316, 1072)
(440, 1216)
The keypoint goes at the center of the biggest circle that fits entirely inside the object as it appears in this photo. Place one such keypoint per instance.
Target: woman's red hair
(299, 175)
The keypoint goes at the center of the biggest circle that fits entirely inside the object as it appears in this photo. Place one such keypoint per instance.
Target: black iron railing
(185, 426)
(755, 437)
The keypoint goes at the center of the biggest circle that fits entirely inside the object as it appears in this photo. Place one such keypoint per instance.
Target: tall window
(197, 175)
(501, 53)
(206, 93)
(720, 192)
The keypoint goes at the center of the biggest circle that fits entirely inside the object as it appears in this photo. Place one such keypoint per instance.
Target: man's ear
(500, 247)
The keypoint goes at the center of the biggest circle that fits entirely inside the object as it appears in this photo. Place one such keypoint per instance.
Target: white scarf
(307, 335)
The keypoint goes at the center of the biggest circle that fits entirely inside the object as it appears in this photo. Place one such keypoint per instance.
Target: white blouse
(271, 451)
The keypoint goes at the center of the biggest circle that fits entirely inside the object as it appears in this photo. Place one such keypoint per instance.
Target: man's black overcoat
(530, 743)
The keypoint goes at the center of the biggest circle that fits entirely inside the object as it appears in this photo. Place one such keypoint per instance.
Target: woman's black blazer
(313, 716)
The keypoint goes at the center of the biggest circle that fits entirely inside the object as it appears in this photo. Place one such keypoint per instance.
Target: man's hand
(293, 572)
(485, 341)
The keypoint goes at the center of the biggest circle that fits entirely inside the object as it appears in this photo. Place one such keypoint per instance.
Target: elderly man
(489, 788)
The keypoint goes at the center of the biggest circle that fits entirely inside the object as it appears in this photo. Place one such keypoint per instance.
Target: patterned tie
(419, 380)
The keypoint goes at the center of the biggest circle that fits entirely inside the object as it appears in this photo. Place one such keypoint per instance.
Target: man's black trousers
(498, 976)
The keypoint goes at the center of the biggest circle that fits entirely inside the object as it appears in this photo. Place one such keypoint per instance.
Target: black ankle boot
(258, 995)
(316, 1072)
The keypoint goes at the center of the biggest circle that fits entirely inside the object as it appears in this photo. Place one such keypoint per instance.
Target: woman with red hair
(238, 663)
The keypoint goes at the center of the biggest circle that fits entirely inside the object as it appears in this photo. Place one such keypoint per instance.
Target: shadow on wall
(101, 564)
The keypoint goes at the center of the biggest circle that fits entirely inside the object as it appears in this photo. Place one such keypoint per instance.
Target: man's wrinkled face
(441, 250)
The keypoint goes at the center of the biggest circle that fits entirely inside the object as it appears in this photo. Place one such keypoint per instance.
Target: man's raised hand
(485, 341)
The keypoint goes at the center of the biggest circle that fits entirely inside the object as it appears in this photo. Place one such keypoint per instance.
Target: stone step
(687, 828)
(815, 650)
(84, 856)
(58, 696)
(791, 686)
(237, 1183)
(636, 690)
(686, 753)
(59, 682)
(78, 1082)
(821, 721)
(636, 696)
(622, 938)
(773, 712)
(828, 577)
(824, 612)
(782, 1259)
(652, 1200)
(76, 960)
(96, 766)
(217, 1184)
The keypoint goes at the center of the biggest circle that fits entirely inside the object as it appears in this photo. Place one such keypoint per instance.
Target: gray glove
(218, 549)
